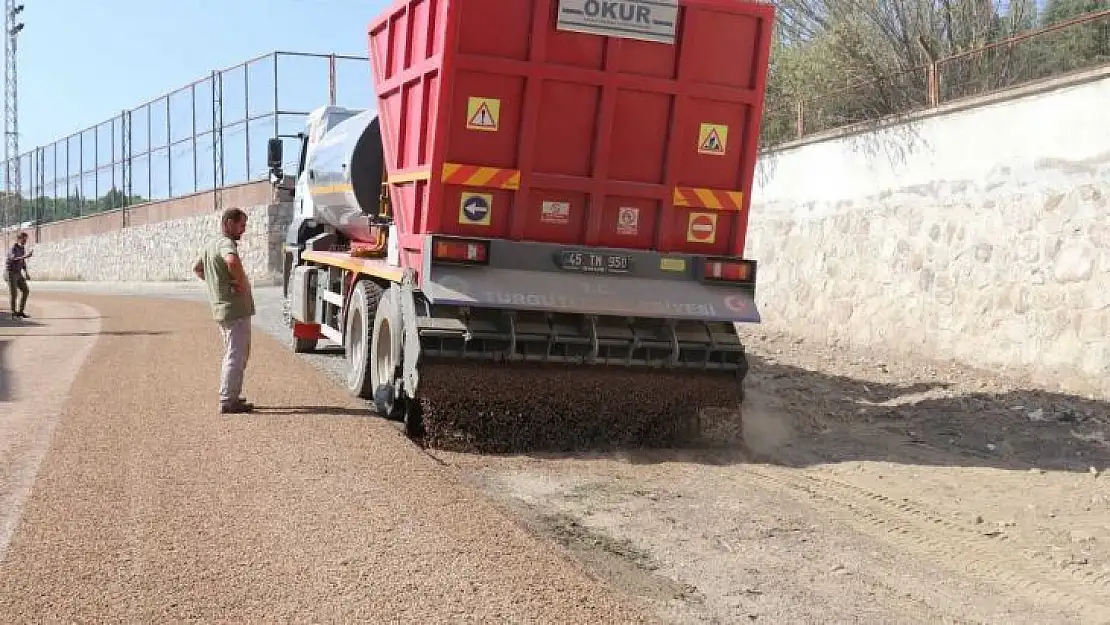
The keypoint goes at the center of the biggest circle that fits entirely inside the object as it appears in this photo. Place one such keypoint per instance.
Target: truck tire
(386, 358)
(356, 343)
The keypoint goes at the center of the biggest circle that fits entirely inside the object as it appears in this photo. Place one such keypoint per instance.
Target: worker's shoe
(238, 407)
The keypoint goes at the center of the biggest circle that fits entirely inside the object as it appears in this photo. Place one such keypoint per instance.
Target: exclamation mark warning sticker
(712, 139)
(483, 114)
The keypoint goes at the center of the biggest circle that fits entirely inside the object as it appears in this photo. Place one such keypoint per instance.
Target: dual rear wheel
(373, 352)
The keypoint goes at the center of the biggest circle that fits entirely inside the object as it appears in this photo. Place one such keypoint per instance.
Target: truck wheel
(385, 350)
(356, 343)
(386, 369)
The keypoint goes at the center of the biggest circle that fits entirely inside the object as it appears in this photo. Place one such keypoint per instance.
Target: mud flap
(410, 345)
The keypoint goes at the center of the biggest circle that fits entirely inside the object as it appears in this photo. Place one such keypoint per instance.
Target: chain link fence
(1075, 45)
(205, 135)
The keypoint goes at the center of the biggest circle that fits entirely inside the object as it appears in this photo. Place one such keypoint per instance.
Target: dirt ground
(867, 488)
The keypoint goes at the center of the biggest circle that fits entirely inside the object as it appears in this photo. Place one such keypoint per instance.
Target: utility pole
(13, 199)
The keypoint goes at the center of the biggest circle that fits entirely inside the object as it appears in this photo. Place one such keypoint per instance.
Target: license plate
(594, 262)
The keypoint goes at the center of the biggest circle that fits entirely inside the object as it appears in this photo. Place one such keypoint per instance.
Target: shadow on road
(102, 333)
(329, 350)
(797, 417)
(312, 410)
(92, 318)
(6, 321)
(6, 376)
(5, 372)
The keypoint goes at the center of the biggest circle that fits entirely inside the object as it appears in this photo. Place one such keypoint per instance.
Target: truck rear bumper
(542, 286)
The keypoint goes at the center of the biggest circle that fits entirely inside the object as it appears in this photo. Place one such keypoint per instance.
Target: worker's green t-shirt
(227, 305)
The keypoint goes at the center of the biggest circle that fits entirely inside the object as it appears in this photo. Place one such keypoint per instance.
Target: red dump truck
(540, 183)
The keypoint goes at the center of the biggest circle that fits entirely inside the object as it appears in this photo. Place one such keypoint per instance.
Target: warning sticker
(712, 139)
(483, 114)
(628, 221)
(702, 228)
(475, 209)
(557, 213)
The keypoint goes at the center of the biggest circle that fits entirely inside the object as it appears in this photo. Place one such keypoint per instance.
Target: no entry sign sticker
(702, 228)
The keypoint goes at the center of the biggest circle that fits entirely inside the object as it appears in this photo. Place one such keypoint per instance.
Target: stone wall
(163, 250)
(247, 194)
(979, 233)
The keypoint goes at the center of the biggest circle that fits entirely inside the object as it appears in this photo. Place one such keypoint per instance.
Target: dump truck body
(514, 129)
(561, 182)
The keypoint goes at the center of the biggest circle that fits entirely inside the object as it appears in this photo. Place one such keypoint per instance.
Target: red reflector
(461, 250)
(730, 271)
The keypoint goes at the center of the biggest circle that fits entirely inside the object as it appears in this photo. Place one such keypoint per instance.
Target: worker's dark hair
(21, 235)
(233, 214)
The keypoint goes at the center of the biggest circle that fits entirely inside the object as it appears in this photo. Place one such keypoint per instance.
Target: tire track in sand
(40, 359)
(910, 526)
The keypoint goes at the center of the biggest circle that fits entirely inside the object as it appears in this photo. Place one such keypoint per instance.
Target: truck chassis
(387, 328)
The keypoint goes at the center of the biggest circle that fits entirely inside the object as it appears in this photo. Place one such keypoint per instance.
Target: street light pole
(13, 198)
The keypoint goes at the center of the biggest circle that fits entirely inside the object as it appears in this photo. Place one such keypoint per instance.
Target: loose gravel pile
(152, 507)
(516, 408)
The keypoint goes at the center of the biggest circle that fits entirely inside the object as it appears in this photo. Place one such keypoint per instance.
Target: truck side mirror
(274, 153)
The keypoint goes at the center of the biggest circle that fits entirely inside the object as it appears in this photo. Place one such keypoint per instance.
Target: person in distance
(17, 275)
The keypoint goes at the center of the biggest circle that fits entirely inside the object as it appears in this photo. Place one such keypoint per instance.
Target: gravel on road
(152, 506)
(867, 485)
(39, 359)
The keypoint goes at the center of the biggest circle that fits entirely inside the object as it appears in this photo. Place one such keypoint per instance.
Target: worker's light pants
(237, 350)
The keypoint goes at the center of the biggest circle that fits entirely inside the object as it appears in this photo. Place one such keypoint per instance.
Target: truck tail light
(729, 270)
(465, 251)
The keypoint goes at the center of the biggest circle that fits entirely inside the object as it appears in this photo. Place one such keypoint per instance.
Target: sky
(81, 62)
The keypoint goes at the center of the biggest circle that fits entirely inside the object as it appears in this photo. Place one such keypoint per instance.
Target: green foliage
(839, 62)
(48, 209)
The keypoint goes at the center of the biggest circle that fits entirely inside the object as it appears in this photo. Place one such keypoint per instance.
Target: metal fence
(1077, 44)
(212, 132)
(205, 135)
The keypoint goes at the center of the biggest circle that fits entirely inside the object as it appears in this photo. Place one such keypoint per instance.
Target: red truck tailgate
(627, 124)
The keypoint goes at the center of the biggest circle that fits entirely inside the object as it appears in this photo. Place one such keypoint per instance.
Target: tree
(846, 61)
(1072, 47)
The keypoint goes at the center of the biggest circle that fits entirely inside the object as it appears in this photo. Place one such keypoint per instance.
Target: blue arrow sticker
(475, 209)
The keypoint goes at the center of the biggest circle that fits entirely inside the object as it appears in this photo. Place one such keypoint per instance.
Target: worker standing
(232, 303)
(17, 275)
